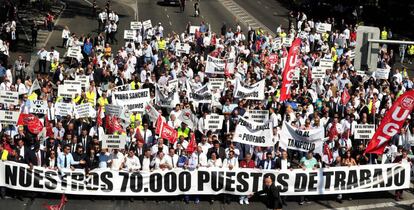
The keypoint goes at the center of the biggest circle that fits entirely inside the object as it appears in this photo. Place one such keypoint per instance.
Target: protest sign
(9, 117)
(129, 34)
(325, 64)
(114, 141)
(216, 83)
(287, 41)
(253, 133)
(318, 72)
(133, 100)
(84, 80)
(220, 66)
(147, 24)
(84, 111)
(38, 107)
(182, 48)
(382, 73)
(69, 90)
(111, 109)
(193, 29)
(206, 181)
(323, 27)
(254, 92)
(165, 98)
(277, 44)
(74, 52)
(301, 140)
(136, 25)
(259, 116)
(63, 109)
(362, 131)
(9, 97)
(213, 122)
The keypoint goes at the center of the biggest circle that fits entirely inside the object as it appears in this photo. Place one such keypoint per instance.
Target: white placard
(193, 29)
(74, 52)
(301, 140)
(287, 41)
(259, 116)
(38, 107)
(9, 97)
(182, 48)
(326, 64)
(63, 109)
(318, 72)
(114, 141)
(216, 83)
(9, 117)
(254, 92)
(362, 131)
(147, 24)
(323, 27)
(84, 111)
(136, 25)
(84, 80)
(129, 34)
(69, 90)
(213, 122)
(111, 109)
(277, 44)
(296, 74)
(382, 73)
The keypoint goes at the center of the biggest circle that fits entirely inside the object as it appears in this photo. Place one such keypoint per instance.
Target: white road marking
(170, 23)
(56, 23)
(378, 205)
(88, 2)
(168, 16)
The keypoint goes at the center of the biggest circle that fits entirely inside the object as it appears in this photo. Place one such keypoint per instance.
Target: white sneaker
(246, 201)
(241, 201)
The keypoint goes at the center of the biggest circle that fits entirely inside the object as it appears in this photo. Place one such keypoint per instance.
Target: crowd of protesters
(150, 60)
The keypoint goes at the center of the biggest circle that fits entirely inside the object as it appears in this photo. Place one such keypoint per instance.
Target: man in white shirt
(160, 146)
(146, 161)
(117, 160)
(43, 54)
(161, 162)
(231, 162)
(198, 159)
(132, 162)
(171, 158)
(204, 145)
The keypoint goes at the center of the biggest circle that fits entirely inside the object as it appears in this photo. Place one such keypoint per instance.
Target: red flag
(138, 136)
(328, 152)
(289, 70)
(32, 122)
(159, 124)
(116, 126)
(192, 146)
(59, 206)
(108, 126)
(49, 129)
(169, 133)
(345, 97)
(332, 132)
(392, 122)
(98, 117)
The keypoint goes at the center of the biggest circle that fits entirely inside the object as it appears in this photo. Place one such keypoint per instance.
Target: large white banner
(133, 100)
(9, 117)
(253, 133)
(254, 92)
(205, 181)
(218, 66)
(301, 140)
(9, 97)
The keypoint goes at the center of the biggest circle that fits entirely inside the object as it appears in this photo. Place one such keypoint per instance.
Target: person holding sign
(272, 199)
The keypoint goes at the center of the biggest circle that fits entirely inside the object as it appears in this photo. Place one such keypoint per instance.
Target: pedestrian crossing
(243, 16)
(42, 37)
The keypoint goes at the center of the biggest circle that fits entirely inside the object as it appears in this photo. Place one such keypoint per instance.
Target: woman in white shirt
(214, 162)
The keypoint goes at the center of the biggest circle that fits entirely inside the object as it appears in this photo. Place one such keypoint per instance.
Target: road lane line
(88, 2)
(168, 16)
(378, 205)
(170, 23)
